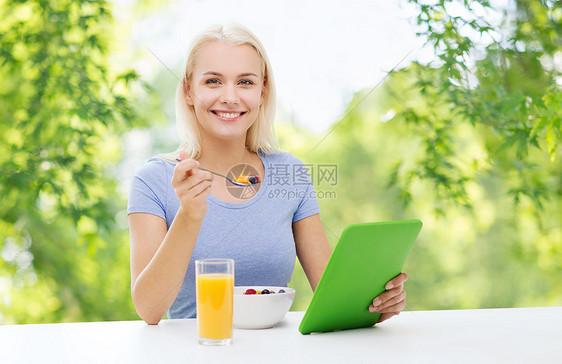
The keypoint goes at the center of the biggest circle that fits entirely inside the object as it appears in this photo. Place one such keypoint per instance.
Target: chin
(229, 136)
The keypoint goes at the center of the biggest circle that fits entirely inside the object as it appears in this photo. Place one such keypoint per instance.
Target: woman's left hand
(392, 301)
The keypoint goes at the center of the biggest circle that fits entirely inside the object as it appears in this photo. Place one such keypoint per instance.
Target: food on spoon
(265, 291)
(250, 291)
(248, 180)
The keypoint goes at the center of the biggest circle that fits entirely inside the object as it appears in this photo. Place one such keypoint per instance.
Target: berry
(265, 291)
(253, 180)
(250, 291)
(281, 291)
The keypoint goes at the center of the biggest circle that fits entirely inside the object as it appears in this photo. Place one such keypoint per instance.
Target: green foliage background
(470, 144)
(63, 108)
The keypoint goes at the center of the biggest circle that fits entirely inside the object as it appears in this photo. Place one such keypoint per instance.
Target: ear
(262, 92)
(187, 94)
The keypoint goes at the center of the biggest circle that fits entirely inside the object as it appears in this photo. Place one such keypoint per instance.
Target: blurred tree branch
(63, 109)
(493, 75)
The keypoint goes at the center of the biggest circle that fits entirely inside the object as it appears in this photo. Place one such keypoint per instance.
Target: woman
(178, 213)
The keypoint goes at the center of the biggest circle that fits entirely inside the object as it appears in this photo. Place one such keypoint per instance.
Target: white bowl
(260, 311)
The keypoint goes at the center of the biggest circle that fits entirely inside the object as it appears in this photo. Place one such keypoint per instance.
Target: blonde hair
(261, 136)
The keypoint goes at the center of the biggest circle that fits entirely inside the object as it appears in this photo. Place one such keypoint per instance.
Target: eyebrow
(220, 74)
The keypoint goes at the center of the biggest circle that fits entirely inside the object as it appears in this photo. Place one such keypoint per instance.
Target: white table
(516, 335)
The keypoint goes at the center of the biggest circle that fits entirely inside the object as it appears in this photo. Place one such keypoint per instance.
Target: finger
(386, 316)
(386, 295)
(398, 307)
(186, 165)
(204, 193)
(183, 170)
(200, 188)
(396, 281)
(385, 305)
(193, 185)
(196, 178)
(205, 175)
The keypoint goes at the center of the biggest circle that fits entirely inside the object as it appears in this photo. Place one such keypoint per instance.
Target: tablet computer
(366, 257)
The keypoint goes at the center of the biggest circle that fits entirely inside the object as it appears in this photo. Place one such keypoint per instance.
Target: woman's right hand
(192, 187)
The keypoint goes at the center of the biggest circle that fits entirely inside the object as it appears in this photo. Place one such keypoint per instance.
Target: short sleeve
(147, 193)
(308, 205)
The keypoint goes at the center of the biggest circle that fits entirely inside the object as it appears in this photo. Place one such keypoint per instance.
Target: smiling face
(226, 90)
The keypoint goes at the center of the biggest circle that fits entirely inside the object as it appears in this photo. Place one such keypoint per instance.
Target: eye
(246, 82)
(212, 81)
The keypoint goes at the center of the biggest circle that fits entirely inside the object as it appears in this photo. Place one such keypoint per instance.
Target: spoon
(225, 177)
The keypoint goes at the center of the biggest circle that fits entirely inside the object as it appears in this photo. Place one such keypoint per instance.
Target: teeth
(229, 115)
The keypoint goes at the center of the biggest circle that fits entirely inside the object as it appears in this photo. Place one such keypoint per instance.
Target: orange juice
(214, 305)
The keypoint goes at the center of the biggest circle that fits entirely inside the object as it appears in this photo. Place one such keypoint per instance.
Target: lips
(228, 116)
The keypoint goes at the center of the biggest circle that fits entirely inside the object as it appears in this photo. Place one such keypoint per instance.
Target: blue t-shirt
(256, 233)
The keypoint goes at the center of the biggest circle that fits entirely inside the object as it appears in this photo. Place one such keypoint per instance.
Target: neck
(221, 155)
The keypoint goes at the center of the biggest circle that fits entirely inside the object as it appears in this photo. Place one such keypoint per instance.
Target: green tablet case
(366, 257)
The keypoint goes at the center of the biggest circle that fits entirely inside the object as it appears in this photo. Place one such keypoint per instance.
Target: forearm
(313, 249)
(314, 265)
(159, 283)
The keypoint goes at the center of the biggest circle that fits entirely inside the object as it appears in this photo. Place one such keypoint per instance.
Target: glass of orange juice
(214, 288)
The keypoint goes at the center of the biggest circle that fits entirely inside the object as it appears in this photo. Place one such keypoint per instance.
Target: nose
(229, 95)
